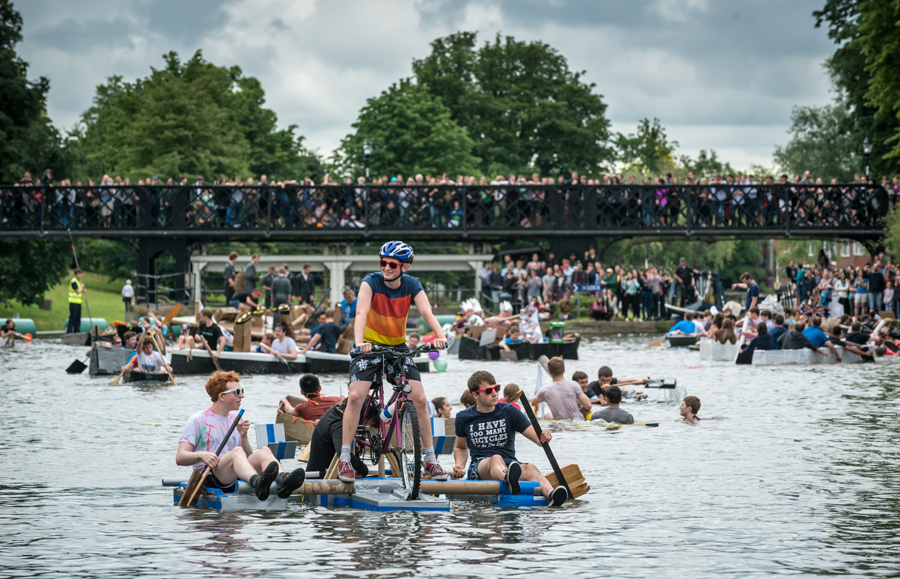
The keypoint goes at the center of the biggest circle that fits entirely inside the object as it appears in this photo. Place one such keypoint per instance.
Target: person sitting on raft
(795, 340)
(612, 413)
(487, 432)
(325, 335)
(327, 439)
(763, 340)
(282, 344)
(204, 432)
(689, 408)
(130, 339)
(316, 405)
(210, 331)
(868, 354)
(147, 360)
(685, 326)
(264, 342)
(185, 340)
(818, 338)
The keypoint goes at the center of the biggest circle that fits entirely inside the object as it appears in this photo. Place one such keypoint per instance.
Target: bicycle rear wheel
(410, 451)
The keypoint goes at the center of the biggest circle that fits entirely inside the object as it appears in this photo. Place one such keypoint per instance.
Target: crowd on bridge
(426, 201)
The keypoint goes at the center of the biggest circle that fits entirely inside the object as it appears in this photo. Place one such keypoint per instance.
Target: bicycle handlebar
(397, 350)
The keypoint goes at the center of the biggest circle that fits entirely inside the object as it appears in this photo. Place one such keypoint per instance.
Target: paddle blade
(76, 367)
(655, 344)
(190, 490)
(172, 313)
(28, 338)
(574, 478)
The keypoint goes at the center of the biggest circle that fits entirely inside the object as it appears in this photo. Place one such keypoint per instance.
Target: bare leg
(494, 468)
(531, 473)
(236, 465)
(418, 397)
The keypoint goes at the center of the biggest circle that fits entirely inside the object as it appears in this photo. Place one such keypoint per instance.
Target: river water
(793, 470)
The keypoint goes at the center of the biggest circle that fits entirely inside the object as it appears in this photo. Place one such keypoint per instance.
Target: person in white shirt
(284, 344)
(147, 360)
(127, 294)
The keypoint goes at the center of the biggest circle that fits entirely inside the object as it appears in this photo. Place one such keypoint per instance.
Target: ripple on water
(794, 470)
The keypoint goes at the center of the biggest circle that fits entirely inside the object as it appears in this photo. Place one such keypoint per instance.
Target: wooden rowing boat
(150, 377)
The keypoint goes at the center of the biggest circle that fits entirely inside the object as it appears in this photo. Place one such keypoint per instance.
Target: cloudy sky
(720, 74)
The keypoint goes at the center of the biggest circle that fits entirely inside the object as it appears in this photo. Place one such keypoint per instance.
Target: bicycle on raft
(397, 434)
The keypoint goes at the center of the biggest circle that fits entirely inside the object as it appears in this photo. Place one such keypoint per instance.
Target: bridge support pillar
(149, 249)
(337, 272)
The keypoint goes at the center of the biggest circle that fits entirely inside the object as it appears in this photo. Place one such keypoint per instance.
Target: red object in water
(693, 367)
(28, 337)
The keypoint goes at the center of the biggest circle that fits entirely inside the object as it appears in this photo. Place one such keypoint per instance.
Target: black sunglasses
(390, 264)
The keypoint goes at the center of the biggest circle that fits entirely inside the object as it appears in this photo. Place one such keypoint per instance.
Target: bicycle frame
(387, 430)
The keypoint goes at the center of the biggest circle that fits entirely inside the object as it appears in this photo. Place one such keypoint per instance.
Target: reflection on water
(792, 470)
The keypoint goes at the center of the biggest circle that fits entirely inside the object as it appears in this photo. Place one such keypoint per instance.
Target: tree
(30, 267)
(821, 142)
(190, 118)
(412, 132)
(708, 164)
(521, 105)
(28, 141)
(880, 44)
(648, 150)
(851, 70)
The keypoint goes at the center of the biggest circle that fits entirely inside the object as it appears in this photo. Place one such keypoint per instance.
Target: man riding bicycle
(382, 308)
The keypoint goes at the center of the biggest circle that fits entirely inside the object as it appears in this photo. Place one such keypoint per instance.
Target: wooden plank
(304, 456)
(332, 471)
(574, 478)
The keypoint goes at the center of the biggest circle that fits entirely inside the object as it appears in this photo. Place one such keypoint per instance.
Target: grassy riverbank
(104, 298)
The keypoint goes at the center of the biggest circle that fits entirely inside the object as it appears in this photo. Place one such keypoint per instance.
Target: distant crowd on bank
(609, 293)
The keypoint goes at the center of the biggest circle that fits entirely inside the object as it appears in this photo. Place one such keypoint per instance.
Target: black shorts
(212, 482)
(367, 367)
(473, 466)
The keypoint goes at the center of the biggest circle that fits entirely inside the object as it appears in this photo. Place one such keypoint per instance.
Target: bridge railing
(527, 209)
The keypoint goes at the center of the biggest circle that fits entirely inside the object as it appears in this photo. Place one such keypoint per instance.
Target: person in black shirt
(763, 340)
(211, 332)
(245, 301)
(856, 335)
(684, 280)
(876, 288)
(326, 440)
(304, 286)
(229, 276)
(325, 335)
(267, 285)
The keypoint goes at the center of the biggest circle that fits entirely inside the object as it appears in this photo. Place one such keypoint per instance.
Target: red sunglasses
(489, 389)
(390, 264)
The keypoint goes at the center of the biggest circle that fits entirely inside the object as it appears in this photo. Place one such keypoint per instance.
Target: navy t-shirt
(752, 292)
(330, 333)
(492, 433)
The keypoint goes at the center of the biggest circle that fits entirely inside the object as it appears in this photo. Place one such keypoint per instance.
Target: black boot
(262, 482)
(288, 482)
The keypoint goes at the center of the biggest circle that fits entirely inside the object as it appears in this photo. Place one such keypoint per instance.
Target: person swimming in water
(689, 408)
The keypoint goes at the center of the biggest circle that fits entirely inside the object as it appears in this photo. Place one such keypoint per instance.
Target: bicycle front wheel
(410, 451)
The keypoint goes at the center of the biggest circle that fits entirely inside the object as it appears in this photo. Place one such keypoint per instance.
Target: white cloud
(712, 83)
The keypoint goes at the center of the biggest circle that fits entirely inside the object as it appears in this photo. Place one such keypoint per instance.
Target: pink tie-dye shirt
(205, 431)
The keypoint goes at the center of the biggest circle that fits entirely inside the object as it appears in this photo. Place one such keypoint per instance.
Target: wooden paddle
(656, 344)
(205, 345)
(189, 498)
(276, 354)
(526, 404)
(172, 378)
